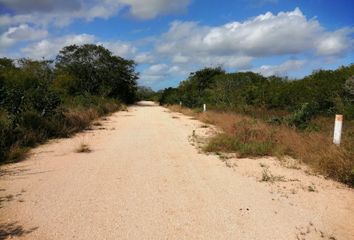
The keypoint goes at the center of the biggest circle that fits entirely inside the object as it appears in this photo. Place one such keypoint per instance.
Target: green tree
(93, 69)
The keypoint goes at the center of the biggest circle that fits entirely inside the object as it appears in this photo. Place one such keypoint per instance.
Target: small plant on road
(83, 148)
(267, 176)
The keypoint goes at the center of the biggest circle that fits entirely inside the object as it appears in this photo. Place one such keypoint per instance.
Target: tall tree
(95, 70)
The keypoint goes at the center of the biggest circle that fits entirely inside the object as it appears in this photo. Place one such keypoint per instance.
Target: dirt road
(145, 180)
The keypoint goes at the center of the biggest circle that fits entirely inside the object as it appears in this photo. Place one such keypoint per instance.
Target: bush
(39, 101)
(301, 118)
(5, 129)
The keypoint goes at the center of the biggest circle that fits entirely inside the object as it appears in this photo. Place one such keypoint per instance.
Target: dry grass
(267, 176)
(97, 124)
(251, 137)
(69, 120)
(83, 148)
(186, 111)
(17, 153)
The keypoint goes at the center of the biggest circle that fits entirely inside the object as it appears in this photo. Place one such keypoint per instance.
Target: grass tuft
(267, 176)
(83, 148)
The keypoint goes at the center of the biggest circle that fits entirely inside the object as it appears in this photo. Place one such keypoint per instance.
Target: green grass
(227, 143)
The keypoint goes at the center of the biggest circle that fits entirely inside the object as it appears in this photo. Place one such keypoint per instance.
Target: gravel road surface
(143, 179)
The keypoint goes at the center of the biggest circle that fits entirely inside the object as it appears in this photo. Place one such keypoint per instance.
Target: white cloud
(119, 48)
(158, 72)
(282, 69)
(237, 61)
(179, 58)
(188, 46)
(60, 17)
(148, 9)
(62, 13)
(157, 69)
(264, 35)
(49, 48)
(41, 5)
(335, 43)
(144, 58)
(22, 32)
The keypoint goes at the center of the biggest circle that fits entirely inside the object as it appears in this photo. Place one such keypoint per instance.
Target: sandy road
(144, 180)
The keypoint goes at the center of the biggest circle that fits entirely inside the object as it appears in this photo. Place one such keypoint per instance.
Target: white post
(180, 103)
(204, 107)
(338, 129)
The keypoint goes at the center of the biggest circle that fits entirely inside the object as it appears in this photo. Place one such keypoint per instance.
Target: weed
(83, 148)
(311, 188)
(267, 176)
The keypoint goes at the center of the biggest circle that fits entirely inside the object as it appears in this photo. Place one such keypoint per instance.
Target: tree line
(45, 99)
(324, 92)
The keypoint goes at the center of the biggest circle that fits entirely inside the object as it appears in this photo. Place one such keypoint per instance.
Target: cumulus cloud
(49, 48)
(61, 13)
(22, 32)
(28, 6)
(235, 45)
(58, 13)
(144, 58)
(119, 48)
(335, 43)
(179, 58)
(264, 35)
(148, 9)
(282, 69)
(162, 71)
(157, 69)
(186, 46)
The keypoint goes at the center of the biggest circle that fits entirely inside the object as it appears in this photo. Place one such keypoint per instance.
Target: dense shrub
(46, 99)
(301, 118)
(276, 116)
(324, 92)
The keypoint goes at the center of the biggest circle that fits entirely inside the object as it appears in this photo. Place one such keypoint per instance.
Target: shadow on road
(10, 230)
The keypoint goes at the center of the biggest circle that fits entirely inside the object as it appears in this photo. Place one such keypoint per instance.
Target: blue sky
(170, 39)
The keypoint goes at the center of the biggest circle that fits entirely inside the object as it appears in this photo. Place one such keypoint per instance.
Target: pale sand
(145, 180)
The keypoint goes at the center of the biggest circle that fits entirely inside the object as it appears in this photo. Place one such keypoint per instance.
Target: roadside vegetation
(275, 116)
(146, 94)
(40, 100)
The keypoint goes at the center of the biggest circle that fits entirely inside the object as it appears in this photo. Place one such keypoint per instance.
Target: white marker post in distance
(204, 107)
(338, 129)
